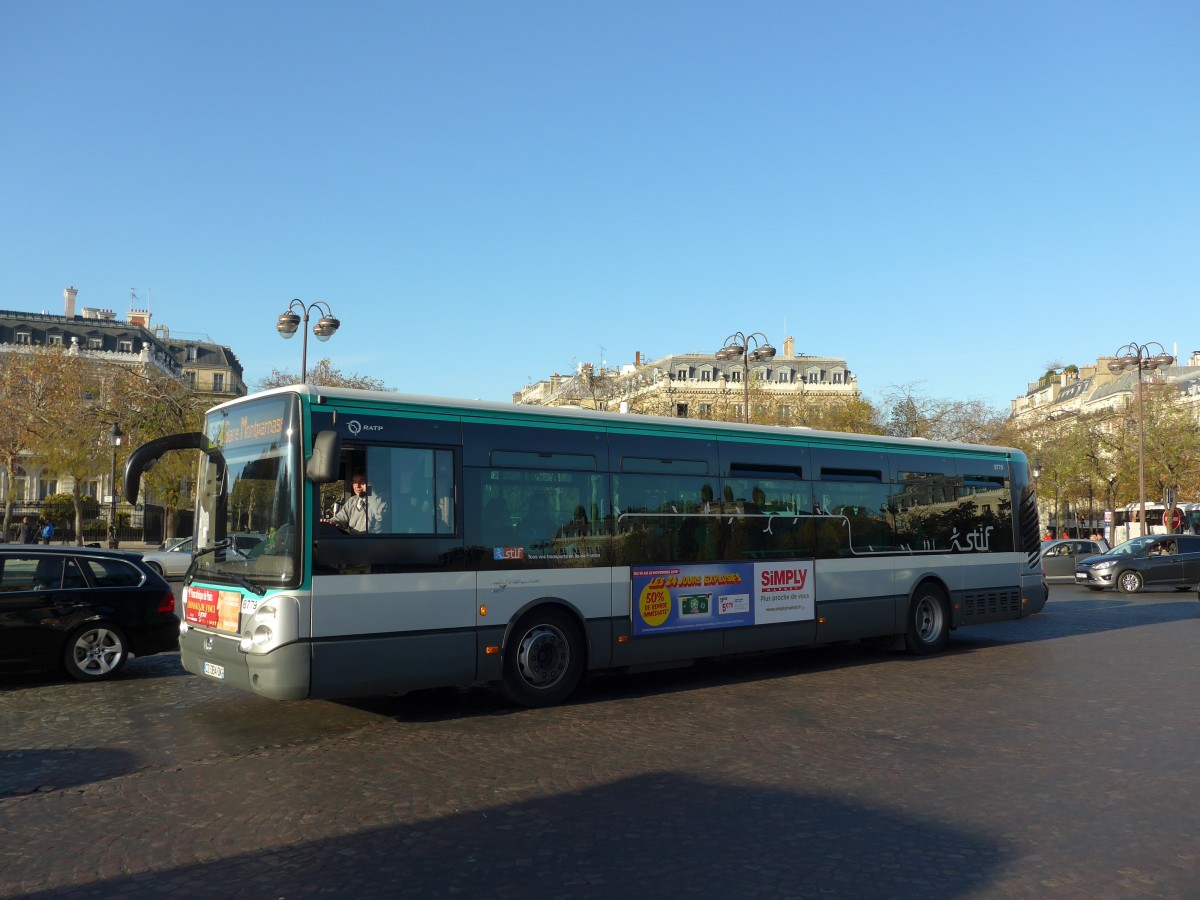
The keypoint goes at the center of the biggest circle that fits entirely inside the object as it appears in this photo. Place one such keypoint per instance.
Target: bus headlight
(273, 624)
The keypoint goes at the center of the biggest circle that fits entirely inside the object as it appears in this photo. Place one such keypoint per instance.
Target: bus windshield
(249, 491)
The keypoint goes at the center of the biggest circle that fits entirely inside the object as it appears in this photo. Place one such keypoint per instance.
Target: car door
(1059, 561)
(177, 559)
(35, 606)
(1163, 564)
(1189, 560)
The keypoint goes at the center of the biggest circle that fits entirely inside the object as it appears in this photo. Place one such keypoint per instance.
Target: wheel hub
(543, 656)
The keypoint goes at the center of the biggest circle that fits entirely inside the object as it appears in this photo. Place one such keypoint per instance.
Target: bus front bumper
(282, 674)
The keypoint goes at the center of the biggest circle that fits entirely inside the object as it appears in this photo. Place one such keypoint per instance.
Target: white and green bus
(525, 546)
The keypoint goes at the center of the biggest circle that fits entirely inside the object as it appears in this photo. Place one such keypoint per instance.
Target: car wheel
(95, 651)
(928, 621)
(1129, 582)
(543, 659)
(158, 570)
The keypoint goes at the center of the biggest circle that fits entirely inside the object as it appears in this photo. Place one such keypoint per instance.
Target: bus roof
(578, 417)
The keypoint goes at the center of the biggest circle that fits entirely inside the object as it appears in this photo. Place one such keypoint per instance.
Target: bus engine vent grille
(1030, 531)
(990, 604)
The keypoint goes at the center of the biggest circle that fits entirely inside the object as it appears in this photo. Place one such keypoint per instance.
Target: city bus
(1126, 519)
(526, 546)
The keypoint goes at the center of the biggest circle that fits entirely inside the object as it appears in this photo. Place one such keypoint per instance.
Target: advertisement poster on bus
(212, 609)
(673, 598)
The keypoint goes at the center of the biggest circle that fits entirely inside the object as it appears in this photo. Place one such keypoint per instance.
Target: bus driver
(362, 513)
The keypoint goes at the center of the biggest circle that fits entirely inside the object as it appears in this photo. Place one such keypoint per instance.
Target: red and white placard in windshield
(211, 608)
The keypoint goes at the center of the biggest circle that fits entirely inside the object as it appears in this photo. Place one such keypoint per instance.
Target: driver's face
(360, 486)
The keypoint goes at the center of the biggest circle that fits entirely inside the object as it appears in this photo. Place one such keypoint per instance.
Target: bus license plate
(213, 670)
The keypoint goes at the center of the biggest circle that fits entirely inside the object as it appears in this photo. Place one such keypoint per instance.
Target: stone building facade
(699, 385)
(98, 334)
(1095, 388)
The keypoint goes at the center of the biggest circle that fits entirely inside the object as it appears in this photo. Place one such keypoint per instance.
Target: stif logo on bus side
(508, 553)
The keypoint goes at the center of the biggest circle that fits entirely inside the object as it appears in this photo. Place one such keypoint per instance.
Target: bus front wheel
(543, 658)
(928, 621)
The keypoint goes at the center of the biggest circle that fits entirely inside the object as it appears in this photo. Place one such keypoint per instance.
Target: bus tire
(928, 621)
(543, 658)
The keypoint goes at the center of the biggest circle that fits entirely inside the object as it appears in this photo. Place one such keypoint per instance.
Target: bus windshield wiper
(219, 545)
(242, 581)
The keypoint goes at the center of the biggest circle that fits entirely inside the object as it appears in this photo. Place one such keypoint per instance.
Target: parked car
(1151, 562)
(173, 560)
(1059, 558)
(84, 609)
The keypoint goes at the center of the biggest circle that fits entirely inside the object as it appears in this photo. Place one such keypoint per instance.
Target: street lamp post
(1142, 358)
(1036, 472)
(114, 438)
(738, 344)
(324, 329)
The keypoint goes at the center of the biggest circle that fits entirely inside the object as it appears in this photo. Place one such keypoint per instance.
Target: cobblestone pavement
(1053, 757)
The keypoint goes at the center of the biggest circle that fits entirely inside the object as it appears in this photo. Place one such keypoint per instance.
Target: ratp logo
(354, 427)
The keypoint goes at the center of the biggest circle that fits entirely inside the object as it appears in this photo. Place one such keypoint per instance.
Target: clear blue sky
(947, 194)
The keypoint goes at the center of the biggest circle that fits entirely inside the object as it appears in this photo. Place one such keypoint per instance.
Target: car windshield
(1133, 547)
(248, 494)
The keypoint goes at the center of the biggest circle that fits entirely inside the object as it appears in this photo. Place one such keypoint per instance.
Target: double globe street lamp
(324, 328)
(1143, 358)
(738, 344)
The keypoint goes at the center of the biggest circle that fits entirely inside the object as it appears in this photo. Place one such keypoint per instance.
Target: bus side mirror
(322, 467)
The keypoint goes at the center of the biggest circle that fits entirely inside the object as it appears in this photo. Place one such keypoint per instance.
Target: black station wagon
(1152, 562)
(82, 609)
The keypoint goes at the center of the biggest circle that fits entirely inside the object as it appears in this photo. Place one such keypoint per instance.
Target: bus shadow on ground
(1074, 616)
(1061, 619)
(656, 835)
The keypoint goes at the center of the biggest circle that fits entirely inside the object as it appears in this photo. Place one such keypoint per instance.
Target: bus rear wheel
(543, 658)
(928, 621)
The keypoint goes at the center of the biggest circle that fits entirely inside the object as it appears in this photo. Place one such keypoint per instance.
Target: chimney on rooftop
(69, 295)
(789, 347)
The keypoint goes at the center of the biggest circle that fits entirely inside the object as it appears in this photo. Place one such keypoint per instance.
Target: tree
(325, 373)
(909, 414)
(22, 395)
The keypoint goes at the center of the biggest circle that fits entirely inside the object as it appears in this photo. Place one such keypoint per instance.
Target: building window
(125, 346)
(24, 337)
(681, 375)
(737, 410)
(191, 353)
(681, 410)
(785, 412)
(55, 340)
(706, 375)
(218, 382)
(705, 410)
(95, 343)
(18, 485)
(735, 375)
(784, 376)
(47, 487)
(190, 377)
